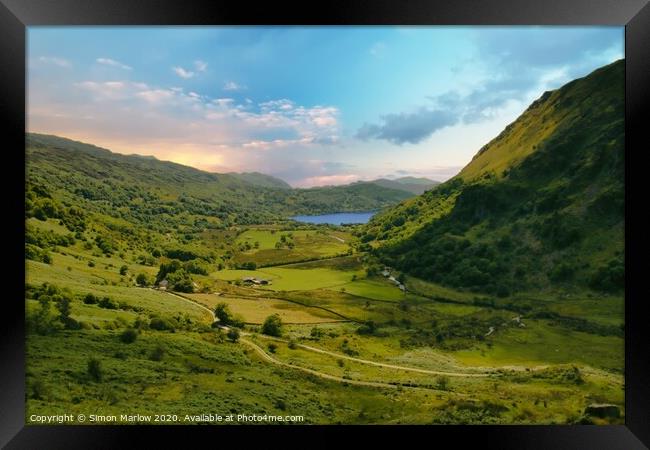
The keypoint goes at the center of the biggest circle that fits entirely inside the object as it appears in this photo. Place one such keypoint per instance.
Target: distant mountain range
(412, 185)
(134, 187)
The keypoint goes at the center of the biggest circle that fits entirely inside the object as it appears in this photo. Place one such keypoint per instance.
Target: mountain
(164, 195)
(413, 185)
(260, 179)
(539, 206)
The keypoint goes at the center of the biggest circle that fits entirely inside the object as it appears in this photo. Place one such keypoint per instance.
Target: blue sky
(312, 105)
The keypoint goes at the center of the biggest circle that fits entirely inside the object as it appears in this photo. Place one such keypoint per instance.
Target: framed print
(391, 218)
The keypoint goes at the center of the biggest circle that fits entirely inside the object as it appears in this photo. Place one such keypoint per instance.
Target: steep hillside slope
(540, 205)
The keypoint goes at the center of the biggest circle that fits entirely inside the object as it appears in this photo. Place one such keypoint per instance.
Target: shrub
(123, 270)
(233, 334)
(157, 353)
(142, 279)
(160, 324)
(129, 336)
(272, 347)
(94, 369)
(108, 303)
(272, 326)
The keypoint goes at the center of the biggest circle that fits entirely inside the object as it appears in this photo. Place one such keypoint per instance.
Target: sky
(314, 106)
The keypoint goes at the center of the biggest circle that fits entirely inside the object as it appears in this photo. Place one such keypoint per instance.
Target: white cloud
(182, 72)
(55, 60)
(155, 95)
(232, 86)
(113, 63)
(107, 90)
(200, 66)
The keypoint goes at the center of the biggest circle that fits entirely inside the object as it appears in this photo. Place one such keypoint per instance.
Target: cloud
(55, 60)
(200, 66)
(182, 72)
(407, 127)
(232, 86)
(106, 90)
(113, 63)
(156, 95)
(190, 127)
(511, 65)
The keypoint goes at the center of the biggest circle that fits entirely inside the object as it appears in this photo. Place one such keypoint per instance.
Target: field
(353, 347)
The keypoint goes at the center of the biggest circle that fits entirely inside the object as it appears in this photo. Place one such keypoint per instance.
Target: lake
(337, 218)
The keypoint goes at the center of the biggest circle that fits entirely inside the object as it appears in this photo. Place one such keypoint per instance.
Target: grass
(195, 366)
(539, 343)
(307, 244)
(256, 310)
(376, 289)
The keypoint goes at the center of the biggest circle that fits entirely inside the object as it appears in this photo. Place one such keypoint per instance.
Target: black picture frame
(16, 15)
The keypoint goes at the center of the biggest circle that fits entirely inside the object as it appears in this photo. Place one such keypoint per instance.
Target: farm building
(257, 281)
(163, 285)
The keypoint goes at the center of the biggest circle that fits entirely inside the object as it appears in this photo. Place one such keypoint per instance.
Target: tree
(142, 279)
(63, 305)
(222, 312)
(123, 270)
(272, 326)
(233, 335)
(94, 369)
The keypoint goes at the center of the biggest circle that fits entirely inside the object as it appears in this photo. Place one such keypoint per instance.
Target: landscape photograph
(325, 225)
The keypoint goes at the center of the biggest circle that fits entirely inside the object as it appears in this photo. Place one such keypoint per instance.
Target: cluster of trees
(177, 275)
(40, 204)
(454, 261)
(609, 277)
(286, 241)
(45, 320)
(249, 265)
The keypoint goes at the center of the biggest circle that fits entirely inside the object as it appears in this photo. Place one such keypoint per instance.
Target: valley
(492, 298)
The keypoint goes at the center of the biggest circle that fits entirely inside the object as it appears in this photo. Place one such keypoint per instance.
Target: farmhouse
(163, 285)
(257, 281)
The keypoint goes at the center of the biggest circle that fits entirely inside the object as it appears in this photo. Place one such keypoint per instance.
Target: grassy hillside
(142, 190)
(539, 206)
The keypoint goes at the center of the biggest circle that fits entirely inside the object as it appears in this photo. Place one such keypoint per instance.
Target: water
(337, 218)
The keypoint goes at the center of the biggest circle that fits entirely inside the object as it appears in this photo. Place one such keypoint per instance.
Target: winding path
(269, 358)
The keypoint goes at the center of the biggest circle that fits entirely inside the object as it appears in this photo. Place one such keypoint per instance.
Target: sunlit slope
(541, 204)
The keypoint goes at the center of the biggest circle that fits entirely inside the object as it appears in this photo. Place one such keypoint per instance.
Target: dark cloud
(408, 127)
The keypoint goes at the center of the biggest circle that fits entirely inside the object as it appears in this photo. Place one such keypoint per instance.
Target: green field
(323, 305)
